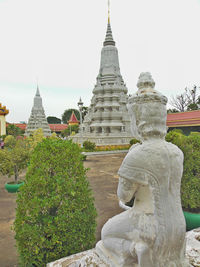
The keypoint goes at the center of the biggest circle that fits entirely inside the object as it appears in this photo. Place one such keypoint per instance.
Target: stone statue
(152, 232)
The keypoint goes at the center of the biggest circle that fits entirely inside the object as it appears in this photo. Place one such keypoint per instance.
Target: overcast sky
(59, 43)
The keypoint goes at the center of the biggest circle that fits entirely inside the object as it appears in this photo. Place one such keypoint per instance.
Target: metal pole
(80, 105)
(81, 127)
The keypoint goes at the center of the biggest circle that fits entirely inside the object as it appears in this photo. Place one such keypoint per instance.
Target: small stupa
(107, 121)
(3, 113)
(37, 118)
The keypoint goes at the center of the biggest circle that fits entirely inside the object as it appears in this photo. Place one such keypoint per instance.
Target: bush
(55, 215)
(14, 157)
(89, 145)
(190, 186)
(10, 141)
(134, 141)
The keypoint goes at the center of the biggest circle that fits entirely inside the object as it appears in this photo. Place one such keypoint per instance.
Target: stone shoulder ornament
(152, 232)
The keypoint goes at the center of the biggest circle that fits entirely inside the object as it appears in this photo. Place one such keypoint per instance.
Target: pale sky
(59, 43)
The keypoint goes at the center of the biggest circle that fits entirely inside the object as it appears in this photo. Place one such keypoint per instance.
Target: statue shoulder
(174, 150)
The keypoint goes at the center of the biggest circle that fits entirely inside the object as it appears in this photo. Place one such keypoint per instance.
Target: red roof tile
(53, 127)
(188, 118)
(58, 127)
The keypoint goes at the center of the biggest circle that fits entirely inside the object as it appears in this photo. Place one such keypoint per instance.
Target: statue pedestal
(99, 257)
(111, 259)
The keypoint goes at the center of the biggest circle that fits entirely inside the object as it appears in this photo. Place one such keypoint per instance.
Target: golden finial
(108, 11)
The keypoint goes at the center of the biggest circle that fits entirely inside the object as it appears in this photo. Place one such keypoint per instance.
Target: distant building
(188, 121)
(73, 120)
(57, 128)
(37, 118)
(3, 113)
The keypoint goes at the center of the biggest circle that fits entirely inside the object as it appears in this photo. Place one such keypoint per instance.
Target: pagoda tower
(107, 121)
(37, 118)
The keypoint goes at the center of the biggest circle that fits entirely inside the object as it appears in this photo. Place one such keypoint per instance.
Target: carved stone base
(112, 259)
(100, 257)
(103, 140)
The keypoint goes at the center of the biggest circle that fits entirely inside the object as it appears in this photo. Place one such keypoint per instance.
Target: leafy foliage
(70, 129)
(190, 187)
(172, 110)
(35, 138)
(53, 120)
(55, 216)
(14, 157)
(67, 114)
(12, 129)
(134, 141)
(88, 145)
(53, 136)
(10, 141)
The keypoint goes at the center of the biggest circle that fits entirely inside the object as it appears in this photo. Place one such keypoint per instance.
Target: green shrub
(190, 186)
(134, 141)
(89, 145)
(55, 215)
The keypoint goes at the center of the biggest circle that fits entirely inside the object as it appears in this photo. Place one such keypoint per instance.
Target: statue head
(147, 110)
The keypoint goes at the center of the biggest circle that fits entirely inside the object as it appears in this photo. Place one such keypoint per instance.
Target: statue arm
(126, 189)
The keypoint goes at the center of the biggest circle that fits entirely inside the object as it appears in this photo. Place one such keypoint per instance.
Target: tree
(67, 114)
(12, 129)
(35, 138)
(53, 120)
(14, 157)
(69, 130)
(188, 100)
(55, 215)
(190, 184)
(173, 110)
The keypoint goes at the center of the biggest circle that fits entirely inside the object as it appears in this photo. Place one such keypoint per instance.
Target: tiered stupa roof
(107, 121)
(37, 118)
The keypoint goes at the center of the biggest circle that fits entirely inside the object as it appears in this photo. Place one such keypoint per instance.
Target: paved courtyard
(103, 179)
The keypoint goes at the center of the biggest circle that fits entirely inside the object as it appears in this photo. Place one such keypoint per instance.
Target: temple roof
(3, 110)
(73, 118)
(184, 119)
(53, 127)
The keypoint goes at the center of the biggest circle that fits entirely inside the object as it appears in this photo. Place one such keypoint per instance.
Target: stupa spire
(109, 38)
(37, 91)
(109, 11)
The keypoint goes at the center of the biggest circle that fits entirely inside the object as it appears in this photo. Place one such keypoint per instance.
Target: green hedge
(89, 146)
(190, 186)
(55, 214)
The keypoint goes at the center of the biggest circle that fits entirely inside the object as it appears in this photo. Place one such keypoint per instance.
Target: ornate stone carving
(152, 232)
(108, 113)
